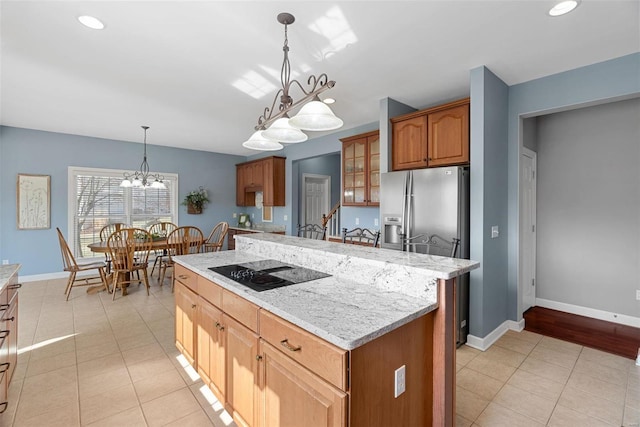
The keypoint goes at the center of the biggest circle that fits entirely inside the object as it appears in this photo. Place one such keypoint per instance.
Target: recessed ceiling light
(329, 101)
(91, 22)
(563, 7)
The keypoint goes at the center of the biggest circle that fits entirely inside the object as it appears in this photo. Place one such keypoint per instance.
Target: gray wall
(588, 207)
(48, 153)
(616, 79)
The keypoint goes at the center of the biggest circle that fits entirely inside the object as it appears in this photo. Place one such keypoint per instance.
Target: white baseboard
(52, 276)
(486, 342)
(590, 312)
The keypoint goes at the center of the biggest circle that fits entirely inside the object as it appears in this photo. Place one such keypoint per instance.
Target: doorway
(316, 197)
(527, 275)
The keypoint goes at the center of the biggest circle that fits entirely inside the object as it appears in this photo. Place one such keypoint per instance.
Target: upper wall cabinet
(266, 175)
(437, 136)
(361, 170)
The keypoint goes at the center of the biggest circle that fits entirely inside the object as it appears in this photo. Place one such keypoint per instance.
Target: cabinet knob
(219, 326)
(193, 306)
(258, 358)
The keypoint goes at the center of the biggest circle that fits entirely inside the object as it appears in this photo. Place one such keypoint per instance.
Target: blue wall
(314, 147)
(47, 153)
(488, 200)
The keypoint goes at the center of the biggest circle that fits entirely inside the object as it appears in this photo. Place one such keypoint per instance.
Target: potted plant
(195, 201)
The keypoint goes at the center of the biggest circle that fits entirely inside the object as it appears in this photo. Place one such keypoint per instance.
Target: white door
(316, 192)
(527, 279)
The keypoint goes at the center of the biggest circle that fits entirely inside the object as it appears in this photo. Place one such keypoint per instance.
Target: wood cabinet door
(361, 170)
(186, 303)
(409, 147)
(211, 348)
(240, 185)
(242, 391)
(354, 175)
(294, 396)
(449, 136)
(373, 169)
(257, 173)
(12, 340)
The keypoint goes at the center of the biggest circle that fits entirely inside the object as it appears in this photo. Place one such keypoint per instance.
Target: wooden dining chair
(105, 232)
(70, 265)
(161, 229)
(361, 236)
(181, 241)
(129, 249)
(312, 231)
(216, 239)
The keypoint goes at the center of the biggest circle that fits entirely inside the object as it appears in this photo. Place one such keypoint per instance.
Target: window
(96, 199)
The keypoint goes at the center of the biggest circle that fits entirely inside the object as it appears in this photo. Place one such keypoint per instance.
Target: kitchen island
(372, 344)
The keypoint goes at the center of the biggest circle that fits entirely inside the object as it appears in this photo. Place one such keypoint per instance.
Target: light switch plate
(495, 232)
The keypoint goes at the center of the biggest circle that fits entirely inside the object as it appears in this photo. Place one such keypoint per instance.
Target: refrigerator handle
(409, 205)
(404, 213)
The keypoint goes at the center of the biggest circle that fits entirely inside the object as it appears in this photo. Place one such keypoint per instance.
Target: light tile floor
(94, 362)
(526, 379)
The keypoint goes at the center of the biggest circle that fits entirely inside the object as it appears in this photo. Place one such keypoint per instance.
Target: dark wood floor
(606, 336)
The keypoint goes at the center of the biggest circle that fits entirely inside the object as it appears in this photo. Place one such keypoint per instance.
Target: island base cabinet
(242, 391)
(186, 303)
(293, 396)
(210, 358)
(373, 402)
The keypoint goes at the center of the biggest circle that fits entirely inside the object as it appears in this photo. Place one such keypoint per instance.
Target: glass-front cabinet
(361, 170)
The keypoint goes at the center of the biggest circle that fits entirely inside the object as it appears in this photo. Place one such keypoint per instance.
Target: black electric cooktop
(267, 274)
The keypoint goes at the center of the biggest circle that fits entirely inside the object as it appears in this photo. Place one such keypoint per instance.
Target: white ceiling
(171, 65)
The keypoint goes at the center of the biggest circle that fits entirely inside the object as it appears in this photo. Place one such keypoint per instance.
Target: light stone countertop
(6, 271)
(371, 291)
(260, 228)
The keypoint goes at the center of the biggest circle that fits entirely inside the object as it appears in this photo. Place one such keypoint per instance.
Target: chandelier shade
(282, 131)
(143, 178)
(313, 115)
(316, 116)
(259, 142)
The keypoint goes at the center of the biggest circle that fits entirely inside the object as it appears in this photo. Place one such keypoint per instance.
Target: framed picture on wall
(33, 202)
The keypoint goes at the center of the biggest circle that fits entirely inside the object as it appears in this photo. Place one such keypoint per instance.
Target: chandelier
(143, 178)
(275, 126)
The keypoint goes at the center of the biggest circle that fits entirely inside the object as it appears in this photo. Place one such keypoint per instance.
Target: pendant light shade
(282, 131)
(315, 116)
(259, 142)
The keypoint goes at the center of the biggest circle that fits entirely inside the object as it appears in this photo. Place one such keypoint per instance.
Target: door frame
(327, 198)
(525, 152)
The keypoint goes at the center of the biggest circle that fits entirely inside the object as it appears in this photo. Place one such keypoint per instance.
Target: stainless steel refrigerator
(427, 211)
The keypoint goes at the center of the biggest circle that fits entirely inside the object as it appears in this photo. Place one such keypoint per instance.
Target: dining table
(162, 244)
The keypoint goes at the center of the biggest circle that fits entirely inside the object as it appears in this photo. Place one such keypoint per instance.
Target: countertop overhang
(371, 291)
(6, 271)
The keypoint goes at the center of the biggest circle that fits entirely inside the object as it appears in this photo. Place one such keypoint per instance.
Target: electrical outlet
(400, 381)
(375, 222)
(253, 215)
(357, 221)
(5, 262)
(235, 215)
(286, 217)
(637, 293)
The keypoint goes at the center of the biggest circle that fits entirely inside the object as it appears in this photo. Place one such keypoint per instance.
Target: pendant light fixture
(275, 125)
(143, 178)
